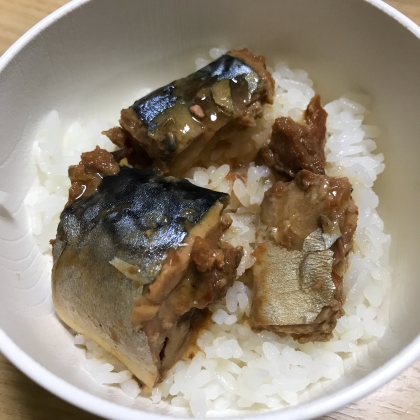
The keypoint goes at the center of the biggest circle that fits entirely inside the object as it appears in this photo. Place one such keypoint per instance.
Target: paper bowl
(90, 54)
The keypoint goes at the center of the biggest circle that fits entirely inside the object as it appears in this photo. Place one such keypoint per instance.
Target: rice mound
(236, 368)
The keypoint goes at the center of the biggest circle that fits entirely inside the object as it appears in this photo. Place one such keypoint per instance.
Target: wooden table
(22, 399)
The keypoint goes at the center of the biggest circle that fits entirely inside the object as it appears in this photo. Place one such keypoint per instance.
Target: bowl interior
(97, 55)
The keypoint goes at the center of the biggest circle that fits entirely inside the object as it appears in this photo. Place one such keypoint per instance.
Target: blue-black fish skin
(118, 251)
(143, 216)
(156, 102)
(179, 123)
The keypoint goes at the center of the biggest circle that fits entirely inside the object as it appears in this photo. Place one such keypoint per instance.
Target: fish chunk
(306, 231)
(294, 146)
(296, 209)
(134, 266)
(175, 123)
(296, 292)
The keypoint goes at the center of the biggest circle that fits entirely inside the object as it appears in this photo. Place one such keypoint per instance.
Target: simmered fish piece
(137, 261)
(294, 146)
(306, 231)
(296, 292)
(175, 123)
(296, 209)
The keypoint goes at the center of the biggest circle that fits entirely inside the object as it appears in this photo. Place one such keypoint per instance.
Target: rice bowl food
(233, 367)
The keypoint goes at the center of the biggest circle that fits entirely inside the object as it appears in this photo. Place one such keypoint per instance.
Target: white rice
(237, 369)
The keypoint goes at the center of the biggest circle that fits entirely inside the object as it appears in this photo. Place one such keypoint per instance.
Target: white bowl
(91, 53)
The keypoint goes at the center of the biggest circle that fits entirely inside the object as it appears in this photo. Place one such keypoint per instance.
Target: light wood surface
(22, 399)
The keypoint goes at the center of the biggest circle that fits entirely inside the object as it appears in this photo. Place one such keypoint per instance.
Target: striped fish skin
(176, 122)
(129, 239)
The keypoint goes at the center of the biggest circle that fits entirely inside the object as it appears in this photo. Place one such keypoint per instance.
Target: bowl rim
(110, 410)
